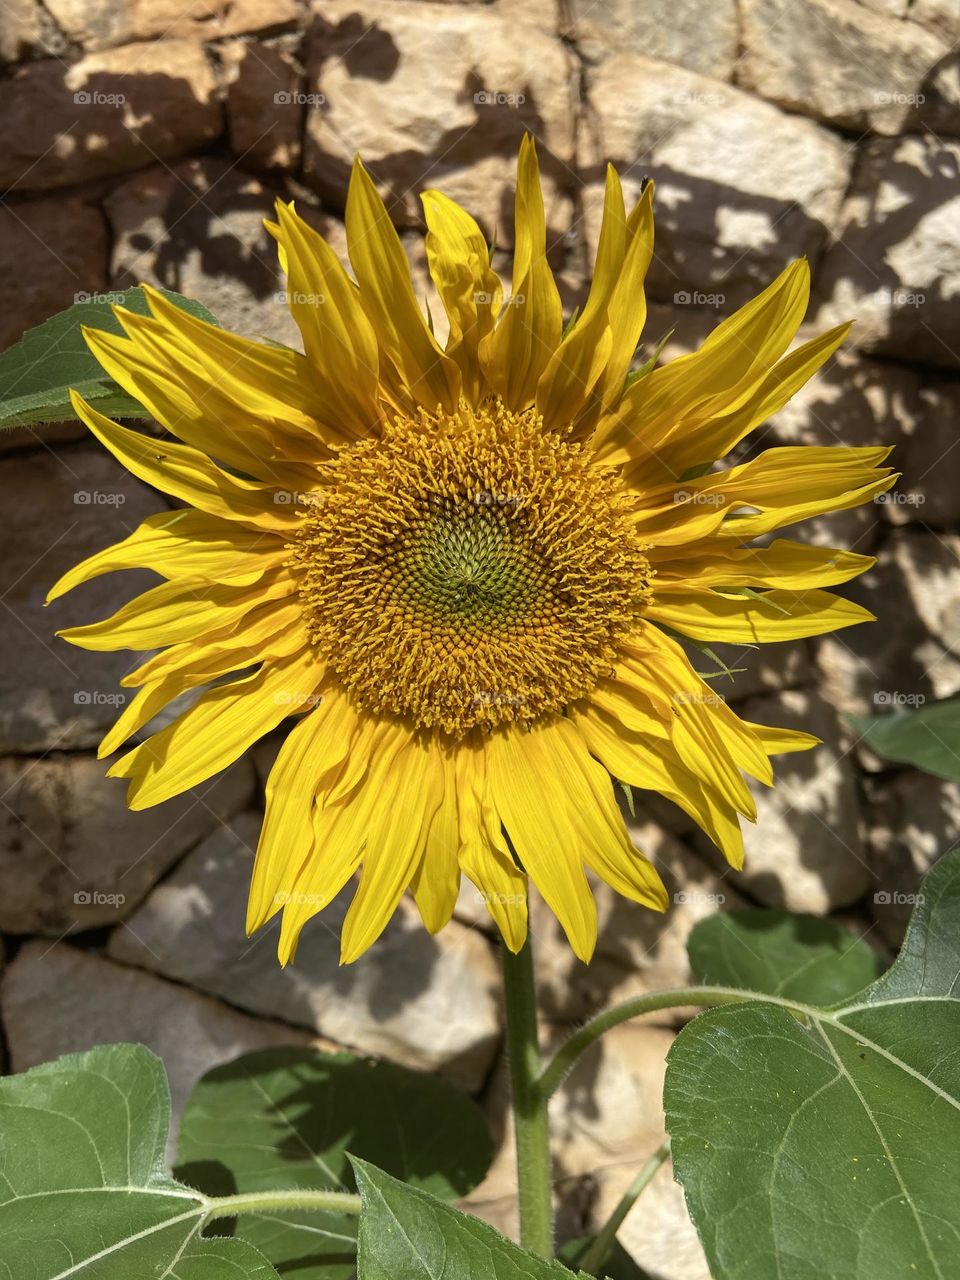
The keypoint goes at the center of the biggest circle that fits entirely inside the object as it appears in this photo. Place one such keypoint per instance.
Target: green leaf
(782, 954)
(37, 373)
(815, 1142)
(302, 1111)
(84, 1190)
(407, 1234)
(928, 738)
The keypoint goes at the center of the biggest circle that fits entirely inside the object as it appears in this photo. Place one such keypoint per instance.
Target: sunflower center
(462, 571)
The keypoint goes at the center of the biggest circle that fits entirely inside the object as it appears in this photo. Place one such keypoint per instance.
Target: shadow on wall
(64, 125)
(368, 52)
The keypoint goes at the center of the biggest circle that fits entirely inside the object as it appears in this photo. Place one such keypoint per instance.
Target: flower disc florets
(469, 570)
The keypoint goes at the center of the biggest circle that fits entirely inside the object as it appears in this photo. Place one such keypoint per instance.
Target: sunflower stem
(556, 1071)
(281, 1202)
(596, 1255)
(531, 1126)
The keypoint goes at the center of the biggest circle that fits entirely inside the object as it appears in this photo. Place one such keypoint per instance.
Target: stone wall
(145, 140)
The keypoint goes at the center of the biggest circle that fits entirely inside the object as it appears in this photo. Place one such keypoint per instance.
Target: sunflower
(462, 572)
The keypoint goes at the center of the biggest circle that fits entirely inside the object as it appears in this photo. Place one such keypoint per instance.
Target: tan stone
(687, 33)
(265, 103)
(895, 264)
(742, 188)
(101, 24)
(637, 949)
(435, 96)
(929, 491)
(61, 506)
(26, 29)
(657, 1232)
(910, 654)
(426, 1002)
(805, 852)
(64, 241)
(74, 857)
(914, 819)
(605, 1119)
(198, 228)
(840, 62)
(853, 402)
(107, 113)
(59, 1000)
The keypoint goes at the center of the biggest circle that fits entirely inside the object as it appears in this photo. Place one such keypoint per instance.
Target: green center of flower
(463, 571)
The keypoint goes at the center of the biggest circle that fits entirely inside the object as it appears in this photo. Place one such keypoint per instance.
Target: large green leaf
(37, 373)
(824, 1142)
(84, 1192)
(782, 954)
(288, 1117)
(407, 1234)
(928, 738)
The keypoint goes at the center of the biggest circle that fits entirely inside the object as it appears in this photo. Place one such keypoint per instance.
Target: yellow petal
(189, 475)
(690, 447)
(606, 844)
(653, 765)
(268, 630)
(184, 544)
(720, 377)
(395, 842)
(386, 292)
(539, 820)
(530, 326)
(627, 306)
(471, 292)
(771, 616)
(216, 730)
(313, 747)
(785, 564)
(176, 611)
(253, 419)
(340, 831)
(778, 742)
(484, 854)
(338, 339)
(436, 881)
